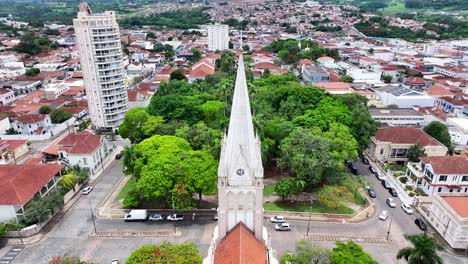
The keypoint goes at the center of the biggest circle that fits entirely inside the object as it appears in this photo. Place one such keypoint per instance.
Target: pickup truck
(175, 217)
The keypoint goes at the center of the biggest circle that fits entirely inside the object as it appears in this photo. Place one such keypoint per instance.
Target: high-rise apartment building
(101, 58)
(218, 37)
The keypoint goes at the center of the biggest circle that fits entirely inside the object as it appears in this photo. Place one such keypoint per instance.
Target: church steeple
(240, 171)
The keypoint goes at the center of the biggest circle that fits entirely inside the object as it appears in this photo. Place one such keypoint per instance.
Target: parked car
(119, 155)
(277, 219)
(372, 169)
(391, 202)
(386, 185)
(175, 217)
(420, 223)
(115, 261)
(156, 217)
(371, 193)
(365, 160)
(136, 215)
(354, 170)
(87, 190)
(393, 192)
(282, 227)
(379, 176)
(406, 208)
(383, 216)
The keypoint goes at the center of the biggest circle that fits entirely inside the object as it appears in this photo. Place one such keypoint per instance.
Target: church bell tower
(240, 171)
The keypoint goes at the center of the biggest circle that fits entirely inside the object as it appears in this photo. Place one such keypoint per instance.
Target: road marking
(366, 239)
(164, 233)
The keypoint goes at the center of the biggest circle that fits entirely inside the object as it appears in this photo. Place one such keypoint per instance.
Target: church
(240, 237)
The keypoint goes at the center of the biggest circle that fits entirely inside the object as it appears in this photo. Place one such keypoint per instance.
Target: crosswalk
(11, 255)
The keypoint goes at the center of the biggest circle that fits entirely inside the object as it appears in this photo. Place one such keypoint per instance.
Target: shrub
(409, 188)
(403, 180)
(132, 199)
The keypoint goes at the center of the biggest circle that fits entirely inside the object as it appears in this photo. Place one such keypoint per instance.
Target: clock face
(240, 172)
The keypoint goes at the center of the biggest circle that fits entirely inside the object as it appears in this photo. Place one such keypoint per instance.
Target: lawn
(305, 207)
(127, 188)
(269, 189)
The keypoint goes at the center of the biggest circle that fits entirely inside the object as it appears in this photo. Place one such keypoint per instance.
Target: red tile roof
(31, 118)
(19, 183)
(448, 164)
(458, 204)
(240, 246)
(265, 65)
(80, 143)
(405, 135)
(12, 144)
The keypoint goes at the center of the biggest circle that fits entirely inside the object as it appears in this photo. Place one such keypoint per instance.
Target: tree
(350, 253)
(347, 79)
(166, 253)
(306, 155)
(307, 253)
(440, 132)
(132, 125)
(213, 112)
(36, 211)
(415, 152)
(284, 188)
(424, 250)
(29, 44)
(53, 201)
(169, 51)
(68, 182)
(151, 125)
(32, 72)
(68, 260)
(331, 196)
(44, 109)
(344, 145)
(177, 75)
(59, 115)
(388, 78)
(196, 55)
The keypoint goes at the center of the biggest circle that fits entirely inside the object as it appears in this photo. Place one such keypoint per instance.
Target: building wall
(218, 37)
(7, 98)
(29, 129)
(4, 125)
(98, 39)
(382, 151)
(7, 213)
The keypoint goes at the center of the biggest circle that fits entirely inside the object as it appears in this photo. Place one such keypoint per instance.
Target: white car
(156, 217)
(282, 227)
(87, 190)
(406, 208)
(115, 261)
(175, 217)
(379, 176)
(391, 202)
(277, 219)
(383, 216)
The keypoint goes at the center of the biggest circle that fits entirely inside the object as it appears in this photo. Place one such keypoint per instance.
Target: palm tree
(424, 250)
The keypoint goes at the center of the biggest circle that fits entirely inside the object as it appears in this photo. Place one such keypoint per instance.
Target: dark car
(372, 169)
(371, 193)
(393, 192)
(119, 155)
(365, 160)
(386, 185)
(420, 223)
(354, 170)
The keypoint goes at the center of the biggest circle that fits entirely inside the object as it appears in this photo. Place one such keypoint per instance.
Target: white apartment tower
(218, 37)
(98, 39)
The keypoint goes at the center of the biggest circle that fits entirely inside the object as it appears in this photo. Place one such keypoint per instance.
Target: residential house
(11, 70)
(457, 105)
(327, 62)
(200, 70)
(4, 124)
(33, 124)
(6, 97)
(449, 217)
(314, 74)
(458, 129)
(22, 87)
(391, 144)
(403, 97)
(335, 87)
(134, 68)
(451, 71)
(440, 174)
(84, 149)
(21, 183)
(416, 83)
(12, 150)
(139, 98)
(397, 116)
(364, 76)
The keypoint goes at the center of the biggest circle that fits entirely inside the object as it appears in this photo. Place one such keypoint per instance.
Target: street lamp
(389, 226)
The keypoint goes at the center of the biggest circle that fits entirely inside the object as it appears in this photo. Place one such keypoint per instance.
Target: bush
(409, 188)
(403, 180)
(3, 230)
(420, 192)
(67, 182)
(132, 199)
(59, 115)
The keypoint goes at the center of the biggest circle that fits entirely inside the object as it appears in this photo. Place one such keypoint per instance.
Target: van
(136, 215)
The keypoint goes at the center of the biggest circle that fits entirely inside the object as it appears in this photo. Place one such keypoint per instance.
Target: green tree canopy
(177, 75)
(307, 253)
(424, 250)
(44, 109)
(350, 253)
(133, 123)
(440, 132)
(415, 152)
(59, 115)
(347, 79)
(166, 253)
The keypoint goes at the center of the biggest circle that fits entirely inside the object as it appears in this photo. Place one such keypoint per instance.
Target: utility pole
(310, 217)
(92, 215)
(173, 212)
(389, 226)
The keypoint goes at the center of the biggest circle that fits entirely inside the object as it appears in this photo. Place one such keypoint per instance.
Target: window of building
(451, 190)
(443, 178)
(85, 161)
(464, 178)
(440, 189)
